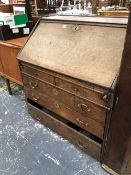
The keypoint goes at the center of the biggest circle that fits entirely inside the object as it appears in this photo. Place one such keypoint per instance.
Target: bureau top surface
(93, 19)
(88, 52)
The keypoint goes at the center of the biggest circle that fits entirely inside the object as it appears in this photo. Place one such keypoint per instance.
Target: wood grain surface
(92, 53)
(62, 85)
(64, 111)
(96, 112)
(19, 42)
(75, 137)
(8, 63)
(1, 68)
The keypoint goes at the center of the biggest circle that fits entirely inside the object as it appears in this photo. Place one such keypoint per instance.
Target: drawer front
(91, 94)
(95, 112)
(49, 90)
(64, 83)
(75, 137)
(61, 109)
(36, 73)
(88, 109)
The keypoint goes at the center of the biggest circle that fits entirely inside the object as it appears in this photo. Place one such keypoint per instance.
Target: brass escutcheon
(76, 28)
(55, 91)
(56, 105)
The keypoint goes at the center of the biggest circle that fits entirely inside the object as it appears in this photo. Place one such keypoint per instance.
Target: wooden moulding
(60, 126)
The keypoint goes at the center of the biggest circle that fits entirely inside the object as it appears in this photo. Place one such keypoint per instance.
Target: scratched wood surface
(93, 53)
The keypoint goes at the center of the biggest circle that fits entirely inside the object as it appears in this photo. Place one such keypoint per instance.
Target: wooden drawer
(29, 70)
(85, 108)
(74, 136)
(49, 90)
(89, 109)
(93, 95)
(61, 109)
(99, 97)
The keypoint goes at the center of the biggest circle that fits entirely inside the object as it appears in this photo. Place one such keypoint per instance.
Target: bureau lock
(76, 28)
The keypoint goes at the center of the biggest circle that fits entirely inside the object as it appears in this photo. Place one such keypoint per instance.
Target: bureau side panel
(120, 127)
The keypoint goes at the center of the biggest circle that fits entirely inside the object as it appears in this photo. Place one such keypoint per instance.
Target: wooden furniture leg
(8, 86)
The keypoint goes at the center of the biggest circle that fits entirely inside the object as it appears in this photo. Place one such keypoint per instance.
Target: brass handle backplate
(84, 107)
(35, 98)
(81, 122)
(33, 86)
(81, 145)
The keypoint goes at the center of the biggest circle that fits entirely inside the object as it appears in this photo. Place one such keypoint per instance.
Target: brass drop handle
(80, 144)
(81, 122)
(35, 98)
(56, 105)
(33, 86)
(55, 91)
(36, 116)
(84, 107)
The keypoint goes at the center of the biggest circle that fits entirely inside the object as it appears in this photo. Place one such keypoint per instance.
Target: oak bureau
(70, 68)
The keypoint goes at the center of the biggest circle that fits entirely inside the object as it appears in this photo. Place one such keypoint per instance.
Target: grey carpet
(29, 148)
